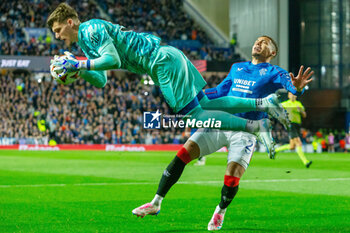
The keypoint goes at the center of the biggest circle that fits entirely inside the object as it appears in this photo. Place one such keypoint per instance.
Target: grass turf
(95, 192)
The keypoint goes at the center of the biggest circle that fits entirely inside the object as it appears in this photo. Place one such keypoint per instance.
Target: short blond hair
(61, 14)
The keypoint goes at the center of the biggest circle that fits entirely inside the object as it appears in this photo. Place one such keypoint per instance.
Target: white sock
(260, 106)
(157, 200)
(252, 126)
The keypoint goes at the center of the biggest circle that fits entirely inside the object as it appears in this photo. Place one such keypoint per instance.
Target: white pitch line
(180, 182)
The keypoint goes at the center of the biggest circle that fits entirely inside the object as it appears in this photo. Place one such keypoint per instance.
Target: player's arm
(303, 114)
(103, 43)
(220, 90)
(302, 110)
(295, 85)
(96, 78)
(302, 79)
(109, 59)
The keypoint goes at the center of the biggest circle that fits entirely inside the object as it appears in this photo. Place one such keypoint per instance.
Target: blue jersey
(252, 81)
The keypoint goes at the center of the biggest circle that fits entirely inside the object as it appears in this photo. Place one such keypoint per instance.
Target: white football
(68, 78)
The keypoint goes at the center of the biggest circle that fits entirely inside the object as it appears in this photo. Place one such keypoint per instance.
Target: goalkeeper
(110, 46)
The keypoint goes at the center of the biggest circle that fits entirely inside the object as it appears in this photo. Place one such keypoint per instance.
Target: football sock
(252, 126)
(301, 155)
(157, 200)
(282, 148)
(170, 176)
(229, 104)
(228, 191)
(219, 210)
(184, 155)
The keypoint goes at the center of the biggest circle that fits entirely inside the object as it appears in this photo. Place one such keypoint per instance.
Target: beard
(256, 55)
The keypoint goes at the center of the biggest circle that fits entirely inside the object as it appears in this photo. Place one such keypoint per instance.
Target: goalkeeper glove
(68, 64)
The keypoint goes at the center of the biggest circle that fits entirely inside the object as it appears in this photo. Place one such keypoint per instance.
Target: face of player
(291, 96)
(263, 48)
(64, 31)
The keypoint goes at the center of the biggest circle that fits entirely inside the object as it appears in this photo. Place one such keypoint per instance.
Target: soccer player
(254, 79)
(110, 46)
(295, 111)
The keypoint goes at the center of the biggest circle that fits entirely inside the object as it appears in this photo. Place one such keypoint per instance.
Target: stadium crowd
(35, 112)
(80, 113)
(160, 17)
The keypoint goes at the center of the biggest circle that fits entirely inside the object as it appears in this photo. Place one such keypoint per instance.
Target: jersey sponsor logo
(243, 85)
(94, 39)
(242, 90)
(94, 35)
(263, 71)
(244, 82)
(151, 120)
(239, 69)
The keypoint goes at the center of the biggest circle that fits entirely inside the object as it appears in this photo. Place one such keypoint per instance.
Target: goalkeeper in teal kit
(109, 46)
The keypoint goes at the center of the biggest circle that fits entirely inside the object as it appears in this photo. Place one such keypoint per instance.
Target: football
(68, 78)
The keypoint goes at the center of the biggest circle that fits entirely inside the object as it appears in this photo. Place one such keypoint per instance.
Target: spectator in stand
(347, 142)
(78, 113)
(331, 142)
(159, 17)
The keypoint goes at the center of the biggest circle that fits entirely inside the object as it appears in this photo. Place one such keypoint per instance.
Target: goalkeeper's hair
(61, 14)
(273, 43)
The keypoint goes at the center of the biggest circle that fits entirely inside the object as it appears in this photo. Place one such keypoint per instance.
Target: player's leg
(295, 142)
(241, 149)
(234, 172)
(300, 152)
(283, 148)
(201, 143)
(292, 144)
(181, 82)
(169, 177)
(232, 104)
(260, 128)
(292, 133)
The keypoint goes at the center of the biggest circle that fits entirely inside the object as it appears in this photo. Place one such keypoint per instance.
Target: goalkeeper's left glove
(69, 64)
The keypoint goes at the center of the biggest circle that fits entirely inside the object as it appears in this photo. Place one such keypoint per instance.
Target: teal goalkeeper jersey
(134, 49)
(141, 53)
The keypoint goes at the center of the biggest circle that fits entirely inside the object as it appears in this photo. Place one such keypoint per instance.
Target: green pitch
(96, 191)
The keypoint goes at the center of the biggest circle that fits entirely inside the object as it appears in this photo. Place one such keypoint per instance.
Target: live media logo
(151, 120)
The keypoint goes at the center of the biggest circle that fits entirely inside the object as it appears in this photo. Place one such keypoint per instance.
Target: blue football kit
(253, 81)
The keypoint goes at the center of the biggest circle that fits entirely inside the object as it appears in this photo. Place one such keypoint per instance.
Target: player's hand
(299, 109)
(302, 79)
(66, 65)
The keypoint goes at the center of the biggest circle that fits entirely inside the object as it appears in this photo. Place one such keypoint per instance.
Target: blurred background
(36, 110)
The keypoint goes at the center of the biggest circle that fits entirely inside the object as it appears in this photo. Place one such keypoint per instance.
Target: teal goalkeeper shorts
(177, 77)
